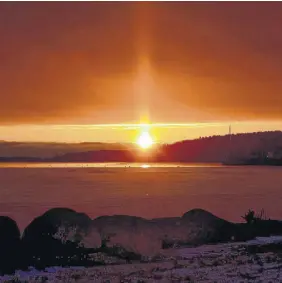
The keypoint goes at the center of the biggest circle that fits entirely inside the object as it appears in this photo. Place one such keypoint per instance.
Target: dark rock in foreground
(209, 228)
(60, 236)
(9, 245)
(136, 235)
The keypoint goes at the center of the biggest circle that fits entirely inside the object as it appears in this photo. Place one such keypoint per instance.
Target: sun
(145, 140)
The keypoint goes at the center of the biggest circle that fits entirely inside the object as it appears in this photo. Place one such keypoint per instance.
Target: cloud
(63, 61)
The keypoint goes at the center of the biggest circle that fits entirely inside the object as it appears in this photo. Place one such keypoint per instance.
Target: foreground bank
(254, 261)
(63, 237)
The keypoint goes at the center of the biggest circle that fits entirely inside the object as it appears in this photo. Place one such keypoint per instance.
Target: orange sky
(100, 62)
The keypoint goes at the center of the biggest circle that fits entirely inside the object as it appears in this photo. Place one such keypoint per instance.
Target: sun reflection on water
(145, 166)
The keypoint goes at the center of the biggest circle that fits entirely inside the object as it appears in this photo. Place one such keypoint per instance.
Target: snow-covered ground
(231, 262)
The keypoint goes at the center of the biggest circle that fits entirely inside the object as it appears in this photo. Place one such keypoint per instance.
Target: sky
(68, 68)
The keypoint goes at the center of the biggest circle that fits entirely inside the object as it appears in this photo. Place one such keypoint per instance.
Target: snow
(230, 262)
(265, 240)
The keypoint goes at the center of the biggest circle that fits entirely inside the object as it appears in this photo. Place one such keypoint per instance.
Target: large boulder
(204, 227)
(133, 234)
(195, 227)
(9, 245)
(209, 228)
(59, 236)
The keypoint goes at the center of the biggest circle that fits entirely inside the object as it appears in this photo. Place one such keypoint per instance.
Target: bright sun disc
(145, 140)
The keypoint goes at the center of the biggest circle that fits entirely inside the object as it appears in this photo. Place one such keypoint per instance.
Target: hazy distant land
(206, 149)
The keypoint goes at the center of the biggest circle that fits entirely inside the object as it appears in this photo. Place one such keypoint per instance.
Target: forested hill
(218, 148)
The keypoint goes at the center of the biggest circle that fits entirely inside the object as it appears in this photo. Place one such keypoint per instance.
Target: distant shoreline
(124, 165)
(245, 149)
(138, 163)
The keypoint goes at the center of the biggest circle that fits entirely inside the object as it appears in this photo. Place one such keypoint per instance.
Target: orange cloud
(63, 61)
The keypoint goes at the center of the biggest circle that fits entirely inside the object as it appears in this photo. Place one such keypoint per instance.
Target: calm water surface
(159, 190)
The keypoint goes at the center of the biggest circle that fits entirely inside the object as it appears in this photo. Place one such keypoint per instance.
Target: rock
(200, 216)
(60, 234)
(144, 243)
(133, 234)
(208, 228)
(213, 229)
(9, 245)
